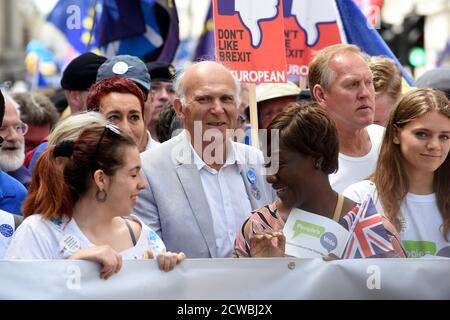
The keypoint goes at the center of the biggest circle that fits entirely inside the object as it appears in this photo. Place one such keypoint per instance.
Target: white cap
(276, 90)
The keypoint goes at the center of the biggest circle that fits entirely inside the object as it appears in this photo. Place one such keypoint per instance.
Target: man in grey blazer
(201, 184)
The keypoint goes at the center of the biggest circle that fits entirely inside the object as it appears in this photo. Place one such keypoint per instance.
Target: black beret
(160, 71)
(81, 73)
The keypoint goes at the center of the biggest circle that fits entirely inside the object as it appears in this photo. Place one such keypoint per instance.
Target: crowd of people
(143, 162)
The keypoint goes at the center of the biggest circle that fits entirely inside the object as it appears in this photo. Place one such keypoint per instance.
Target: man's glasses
(21, 128)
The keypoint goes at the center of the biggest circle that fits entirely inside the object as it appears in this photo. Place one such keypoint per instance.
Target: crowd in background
(133, 160)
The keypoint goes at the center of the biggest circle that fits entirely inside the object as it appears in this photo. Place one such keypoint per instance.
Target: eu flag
(75, 19)
(206, 48)
(144, 28)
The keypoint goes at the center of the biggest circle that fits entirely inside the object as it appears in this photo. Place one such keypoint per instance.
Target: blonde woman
(68, 129)
(387, 81)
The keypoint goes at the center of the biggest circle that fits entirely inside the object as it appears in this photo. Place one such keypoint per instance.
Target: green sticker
(417, 249)
(307, 228)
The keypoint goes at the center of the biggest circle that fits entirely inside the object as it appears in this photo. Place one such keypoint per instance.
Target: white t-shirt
(7, 227)
(421, 221)
(354, 169)
(39, 238)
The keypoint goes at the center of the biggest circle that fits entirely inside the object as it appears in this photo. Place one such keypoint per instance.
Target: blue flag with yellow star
(144, 28)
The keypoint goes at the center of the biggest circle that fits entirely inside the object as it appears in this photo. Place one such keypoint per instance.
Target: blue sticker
(152, 235)
(6, 230)
(251, 176)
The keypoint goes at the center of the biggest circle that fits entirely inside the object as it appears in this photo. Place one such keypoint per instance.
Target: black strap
(133, 238)
(17, 220)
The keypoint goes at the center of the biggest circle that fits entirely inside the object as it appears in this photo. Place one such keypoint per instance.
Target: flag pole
(93, 26)
(303, 82)
(253, 114)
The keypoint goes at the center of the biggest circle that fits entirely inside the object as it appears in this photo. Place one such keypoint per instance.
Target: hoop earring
(318, 164)
(103, 197)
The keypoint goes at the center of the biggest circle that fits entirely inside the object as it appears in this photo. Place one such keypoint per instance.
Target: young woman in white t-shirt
(79, 205)
(412, 177)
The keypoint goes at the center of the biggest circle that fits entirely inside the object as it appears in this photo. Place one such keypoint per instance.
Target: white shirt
(39, 238)
(151, 143)
(421, 221)
(354, 169)
(227, 199)
(7, 228)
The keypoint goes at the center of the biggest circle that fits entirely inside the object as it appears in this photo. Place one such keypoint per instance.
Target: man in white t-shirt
(341, 82)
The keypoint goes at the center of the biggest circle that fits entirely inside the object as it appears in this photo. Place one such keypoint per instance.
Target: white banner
(225, 279)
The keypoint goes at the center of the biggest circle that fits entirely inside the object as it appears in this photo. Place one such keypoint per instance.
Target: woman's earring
(101, 195)
(318, 164)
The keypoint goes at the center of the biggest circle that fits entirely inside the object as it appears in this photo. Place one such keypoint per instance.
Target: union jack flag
(368, 236)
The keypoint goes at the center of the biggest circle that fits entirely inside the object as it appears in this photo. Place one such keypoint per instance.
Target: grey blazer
(174, 203)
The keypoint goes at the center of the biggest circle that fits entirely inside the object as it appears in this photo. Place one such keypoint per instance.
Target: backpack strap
(17, 221)
(338, 209)
(130, 230)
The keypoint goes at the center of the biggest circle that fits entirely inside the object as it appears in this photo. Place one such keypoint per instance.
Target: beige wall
(11, 42)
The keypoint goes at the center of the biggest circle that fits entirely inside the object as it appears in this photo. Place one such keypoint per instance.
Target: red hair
(109, 85)
(48, 194)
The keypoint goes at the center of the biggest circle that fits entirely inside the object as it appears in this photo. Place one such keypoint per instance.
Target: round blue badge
(6, 230)
(152, 235)
(251, 176)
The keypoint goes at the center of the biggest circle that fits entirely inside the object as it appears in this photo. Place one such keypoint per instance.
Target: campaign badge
(251, 176)
(71, 243)
(255, 192)
(6, 230)
(120, 68)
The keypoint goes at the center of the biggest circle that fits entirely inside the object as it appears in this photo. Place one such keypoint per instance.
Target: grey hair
(178, 83)
(8, 97)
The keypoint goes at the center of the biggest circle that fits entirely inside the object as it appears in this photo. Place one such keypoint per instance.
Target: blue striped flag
(206, 48)
(359, 32)
(144, 28)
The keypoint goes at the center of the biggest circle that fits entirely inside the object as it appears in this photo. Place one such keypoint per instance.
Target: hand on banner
(167, 260)
(110, 260)
(324, 12)
(266, 243)
(251, 12)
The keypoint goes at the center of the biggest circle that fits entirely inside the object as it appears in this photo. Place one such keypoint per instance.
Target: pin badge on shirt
(255, 192)
(6, 230)
(71, 244)
(251, 176)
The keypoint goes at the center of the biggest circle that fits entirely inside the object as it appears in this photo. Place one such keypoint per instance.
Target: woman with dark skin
(307, 153)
